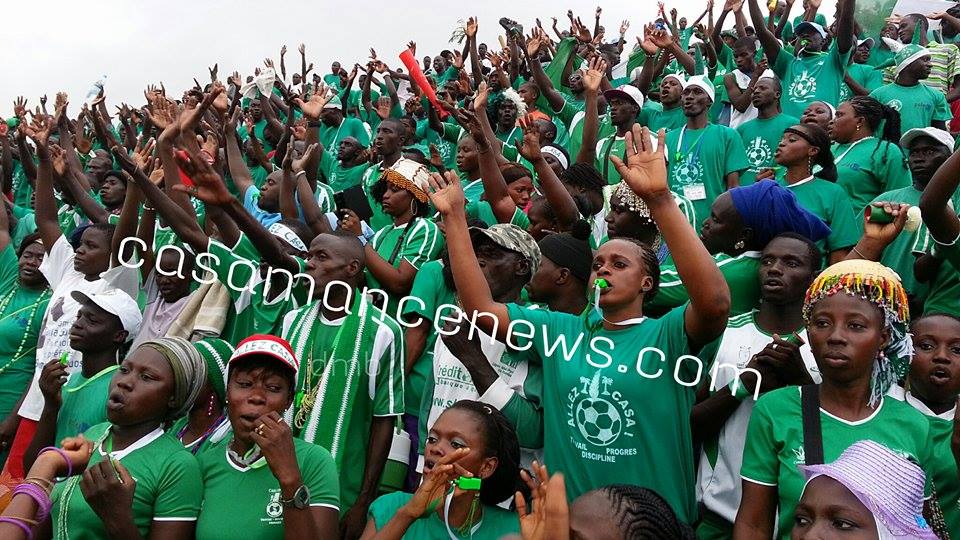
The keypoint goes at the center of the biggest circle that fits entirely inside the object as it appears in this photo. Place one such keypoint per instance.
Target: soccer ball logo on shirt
(759, 152)
(895, 104)
(803, 87)
(688, 172)
(274, 507)
(600, 415)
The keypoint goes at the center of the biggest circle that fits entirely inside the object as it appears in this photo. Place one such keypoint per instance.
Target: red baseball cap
(266, 345)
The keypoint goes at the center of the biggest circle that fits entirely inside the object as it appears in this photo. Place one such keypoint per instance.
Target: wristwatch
(300, 500)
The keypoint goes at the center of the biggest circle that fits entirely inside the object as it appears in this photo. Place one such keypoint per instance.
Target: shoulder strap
(812, 434)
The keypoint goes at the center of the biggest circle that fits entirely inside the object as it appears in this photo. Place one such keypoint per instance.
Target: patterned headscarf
(189, 371)
(632, 202)
(215, 353)
(881, 287)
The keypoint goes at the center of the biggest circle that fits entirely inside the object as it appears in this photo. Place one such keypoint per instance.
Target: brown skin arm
(758, 507)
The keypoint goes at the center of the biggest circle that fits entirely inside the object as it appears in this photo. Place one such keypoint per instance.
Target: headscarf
(890, 486)
(215, 353)
(637, 205)
(881, 287)
(570, 250)
(189, 371)
(409, 175)
(771, 209)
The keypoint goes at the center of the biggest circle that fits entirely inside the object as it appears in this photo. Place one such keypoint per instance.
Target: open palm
(446, 194)
(645, 170)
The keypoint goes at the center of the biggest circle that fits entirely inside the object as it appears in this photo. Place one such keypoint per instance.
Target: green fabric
(430, 288)
(371, 176)
(483, 211)
(865, 75)
(775, 443)
(351, 382)
(611, 145)
(496, 522)
(26, 225)
(339, 177)
(869, 167)
(919, 105)
(811, 78)
(84, 403)
(699, 160)
(330, 136)
(879, 55)
(655, 117)
(168, 487)
(829, 202)
(760, 137)
(944, 295)
(575, 128)
(21, 187)
(422, 242)
(740, 273)
(609, 425)
(228, 487)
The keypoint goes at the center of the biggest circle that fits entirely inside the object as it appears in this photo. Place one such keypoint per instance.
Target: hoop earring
(739, 245)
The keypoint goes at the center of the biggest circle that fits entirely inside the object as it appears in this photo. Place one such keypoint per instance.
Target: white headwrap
(286, 234)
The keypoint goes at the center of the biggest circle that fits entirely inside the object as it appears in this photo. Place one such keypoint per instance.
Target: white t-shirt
(62, 311)
(718, 481)
(158, 314)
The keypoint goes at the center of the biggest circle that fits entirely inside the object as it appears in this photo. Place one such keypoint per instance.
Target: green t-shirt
(608, 424)
(483, 211)
(26, 225)
(430, 288)
(809, 78)
(169, 487)
(330, 136)
(496, 522)
(84, 403)
(869, 167)
(699, 160)
(760, 137)
(740, 272)
(21, 316)
(371, 176)
(655, 117)
(879, 54)
(339, 177)
(865, 75)
(829, 202)
(419, 242)
(611, 145)
(919, 105)
(228, 487)
(573, 119)
(774, 446)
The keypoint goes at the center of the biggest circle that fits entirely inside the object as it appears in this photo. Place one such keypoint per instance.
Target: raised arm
(645, 172)
(941, 220)
(235, 162)
(769, 42)
(591, 118)
(665, 42)
(45, 204)
(784, 19)
(494, 186)
(553, 97)
(845, 24)
(557, 196)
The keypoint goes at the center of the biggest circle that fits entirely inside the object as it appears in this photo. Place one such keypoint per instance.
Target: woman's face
(846, 333)
(92, 256)
(520, 191)
(541, 224)
(620, 263)
(935, 369)
(467, 156)
(141, 389)
(621, 222)
(112, 191)
(29, 266)
(252, 393)
(396, 200)
(455, 429)
(845, 125)
(554, 164)
(793, 150)
(817, 113)
(507, 113)
(830, 510)
(723, 227)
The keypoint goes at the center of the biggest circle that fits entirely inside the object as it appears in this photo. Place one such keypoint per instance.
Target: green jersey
(863, 74)
(809, 78)
(611, 145)
(415, 242)
(371, 176)
(339, 177)
(774, 446)
(495, 524)
(760, 137)
(919, 105)
(228, 486)
(609, 424)
(868, 167)
(698, 161)
(83, 402)
(655, 117)
(483, 211)
(169, 486)
(829, 202)
(740, 272)
(330, 136)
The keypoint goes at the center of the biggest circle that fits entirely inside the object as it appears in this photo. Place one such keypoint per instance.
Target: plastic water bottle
(95, 90)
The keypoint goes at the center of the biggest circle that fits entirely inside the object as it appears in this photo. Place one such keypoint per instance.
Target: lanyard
(696, 144)
(102, 372)
(596, 306)
(847, 151)
(446, 522)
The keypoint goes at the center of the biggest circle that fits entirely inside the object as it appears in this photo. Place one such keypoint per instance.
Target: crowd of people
(706, 285)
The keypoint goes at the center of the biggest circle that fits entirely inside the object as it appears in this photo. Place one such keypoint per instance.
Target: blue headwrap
(770, 209)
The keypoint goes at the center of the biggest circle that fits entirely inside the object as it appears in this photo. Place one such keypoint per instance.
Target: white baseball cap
(628, 92)
(118, 303)
(937, 134)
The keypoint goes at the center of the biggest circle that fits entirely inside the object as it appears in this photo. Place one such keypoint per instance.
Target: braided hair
(875, 113)
(501, 443)
(644, 514)
(818, 138)
(651, 263)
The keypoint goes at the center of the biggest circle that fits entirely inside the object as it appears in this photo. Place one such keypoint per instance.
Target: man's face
(743, 57)
(270, 192)
(695, 101)
(765, 93)
(326, 263)
(439, 64)
(335, 68)
(925, 156)
(388, 138)
(670, 91)
(905, 29)
(809, 40)
(862, 53)
(785, 271)
(920, 68)
(507, 113)
(622, 110)
(348, 149)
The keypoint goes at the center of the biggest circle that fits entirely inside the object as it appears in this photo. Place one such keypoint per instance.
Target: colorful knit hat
(906, 54)
(880, 286)
(216, 353)
(409, 175)
(890, 486)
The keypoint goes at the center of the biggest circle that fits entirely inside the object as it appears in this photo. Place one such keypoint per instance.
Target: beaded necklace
(4, 302)
(202, 438)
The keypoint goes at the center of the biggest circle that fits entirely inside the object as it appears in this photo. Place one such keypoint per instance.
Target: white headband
(286, 234)
(557, 154)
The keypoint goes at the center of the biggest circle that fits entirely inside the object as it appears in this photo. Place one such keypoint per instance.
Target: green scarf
(330, 372)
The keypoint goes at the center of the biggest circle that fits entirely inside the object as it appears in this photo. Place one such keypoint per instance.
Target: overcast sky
(64, 45)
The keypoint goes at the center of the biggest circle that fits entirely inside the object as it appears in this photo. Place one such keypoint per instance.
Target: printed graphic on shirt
(759, 153)
(274, 509)
(602, 416)
(803, 87)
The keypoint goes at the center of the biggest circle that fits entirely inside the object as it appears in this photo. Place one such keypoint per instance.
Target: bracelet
(303, 173)
(38, 495)
(858, 252)
(149, 208)
(17, 521)
(41, 483)
(62, 454)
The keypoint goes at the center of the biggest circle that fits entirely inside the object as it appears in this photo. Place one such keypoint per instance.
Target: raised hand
(624, 26)
(885, 233)
(446, 193)
(297, 165)
(412, 47)
(483, 94)
(530, 149)
(435, 484)
(661, 39)
(220, 102)
(594, 75)
(471, 28)
(162, 112)
(733, 5)
(314, 106)
(384, 106)
(549, 517)
(39, 130)
(20, 108)
(533, 45)
(645, 170)
(208, 185)
(435, 158)
(58, 158)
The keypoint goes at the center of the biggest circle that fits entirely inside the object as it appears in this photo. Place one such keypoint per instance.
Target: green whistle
(878, 215)
(63, 357)
(601, 283)
(468, 484)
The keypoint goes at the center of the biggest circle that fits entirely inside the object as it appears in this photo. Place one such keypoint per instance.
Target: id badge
(695, 192)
